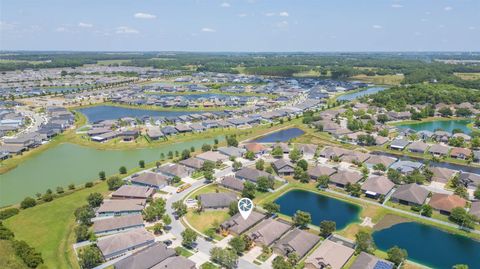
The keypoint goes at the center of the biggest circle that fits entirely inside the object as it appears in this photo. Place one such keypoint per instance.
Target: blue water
(280, 136)
(430, 246)
(99, 113)
(355, 95)
(319, 206)
(432, 126)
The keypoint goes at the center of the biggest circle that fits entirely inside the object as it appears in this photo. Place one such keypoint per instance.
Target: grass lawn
(8, 258)
(264, 256)
(208, 189)
(49, 227)
(183, 252)
(208, 265)
(380, 79)
(204, 220)
(468, 76)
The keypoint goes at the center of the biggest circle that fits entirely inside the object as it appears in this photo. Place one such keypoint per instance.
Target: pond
(355, 95)
(430, 246)
(319, 206)
(70, 163)
(99, 113)
(280, 136)
(432, 126)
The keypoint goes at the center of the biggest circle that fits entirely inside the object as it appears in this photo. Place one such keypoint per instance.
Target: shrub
(28, 254)
(28, 202)
(7, 213)
(89, 184)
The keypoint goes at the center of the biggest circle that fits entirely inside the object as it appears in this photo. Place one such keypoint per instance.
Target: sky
(240, 25)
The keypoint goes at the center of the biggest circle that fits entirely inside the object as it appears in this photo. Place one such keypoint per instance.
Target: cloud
(126, 30)
(376, 26)
(225, 4)
(85, 25)
(61, 29)
(283, 14)
(270, 14)
(397, 6)
(242, 15)
(144, 16)
(282, 24)
(447, 8)
(208, 30)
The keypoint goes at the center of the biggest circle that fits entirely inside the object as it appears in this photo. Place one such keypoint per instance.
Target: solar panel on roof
(383, 265)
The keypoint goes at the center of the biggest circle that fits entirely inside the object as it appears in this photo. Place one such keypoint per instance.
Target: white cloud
(376, 26)
(85, 25)
(144, 16)
(61, 29)
(269, 14)
(282, 24)
(283, 14)
(397, 6)
(208, 30)
(447, 8)
(225, 4)
(126, 30)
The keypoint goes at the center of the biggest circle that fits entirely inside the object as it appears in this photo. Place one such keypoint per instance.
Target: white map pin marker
(245, 207)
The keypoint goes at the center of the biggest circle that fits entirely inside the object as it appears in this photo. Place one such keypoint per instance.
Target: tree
(82, 233)
(28, 202)
(28, 254)
(225, 257)
(264, 183)
(461, 191)
(295, 155)
(232, 141)
(180, 208)
(5, 233)
(271, 207)
(88, 184)
(461, 217)
(445, 112)
(176, 179)
(260, 164)
(141, 163)
(189, 237)
(185, 154)
(114, 183)
(277, 152)
(84, 214)
(166, 220)
(155, 211)
(95, 199)
(327, 227)
(323, 181)
(208, 166)
(280, 263)
(236, 165)
(47, 197)
(397, 255)
(208, 175)
(302, 219)
(90, 257)
(237, 244)
(101, 175)
(364, 242)
(71, 186)
(426, 210)
(250, 155)
(303, 164)
(394, 175)
(157, 228)
(206, 147)
(122, 170)
(382, 118)
(476, 194)
(248, 190)
(380, 167)
(354, 189)
(460, 266)
(233, 208)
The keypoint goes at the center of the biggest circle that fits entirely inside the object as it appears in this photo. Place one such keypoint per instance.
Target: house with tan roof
(444, 203)
(117, 224)
(151, 180)
(255, 148)
(355, 157)
(147, 257)
(343, 177)
(376, 186)
(320, 170)
(376, 159)
(296, 241)
(441, 174)
(268, 231)
(233, 183)
(329, 255)
(119, 244)
(417, 147)
(237, 224)
(438, 150)
(192, 163)
(308, 150)
(133, 192)
(410, 194)
(214, 200)
(332, 152)
(475, 209)
(212, 156)
(283, 167)
(121, 207)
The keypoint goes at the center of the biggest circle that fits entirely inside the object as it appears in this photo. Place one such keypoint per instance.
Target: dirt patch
(388, 221)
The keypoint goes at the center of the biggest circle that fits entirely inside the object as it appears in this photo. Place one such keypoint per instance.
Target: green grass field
(8, 259)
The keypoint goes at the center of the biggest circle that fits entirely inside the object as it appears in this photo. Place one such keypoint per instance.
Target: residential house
(320, 170)
(417, 147)
(147, 257)
(213, 201)
(233, 183)
(377, 186)
(212, 156)
(438, 150)
(175, 262)
(308, 150)
(149, 179)
(410, 194)
(441, 174)
(133, 192)
(332, 152)
(283, 167)
(237, 225)
(117, 224)
(232, 151)
(251, 174)
(192, 163)
(399, 144)
(172, 170)
(376, 159)
(121, 207)
(256, 148)
(369, 261)
(119, 244)
(329, 254)
(268, 231)
(444, 203)
(475, 209)
(355, 157)
(469, 179)
(406, 167)
(441, 136)
(460, 153)
(296, 241)
(343, 177)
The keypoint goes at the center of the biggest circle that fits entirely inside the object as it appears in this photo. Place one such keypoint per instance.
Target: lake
(432, 126)
(355, 95)
(319, 206)
(430, 246)
(99, 113)
(70, 163)
(280, 136)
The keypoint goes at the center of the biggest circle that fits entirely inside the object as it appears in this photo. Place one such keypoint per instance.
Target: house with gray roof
(121, 207)
(147, 257)
(172, 170)
(213, 201)
(406, 167)
(399, 144)
(119, 244)
(470, 179)
(376, 186)
(332, 152)
(133, 192)
(441, 174)
(212, 156)
(237, 224)
(251, 174)
(233, 183)
(117, 224)
(192, 163)
(296, 241)
(283, 167)
(268, 231)
(438, 150)
(410, 194)
(175, 262)
(232, 151)
(417, 147)
(308, 150)
(320, 170)
(149, 179)
(475, 209)
(376, 159)
(369, 261)
(343, 177)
